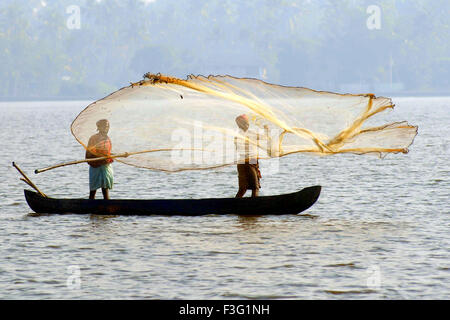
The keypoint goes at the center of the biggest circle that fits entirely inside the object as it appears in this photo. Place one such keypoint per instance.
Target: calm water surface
(380, 229)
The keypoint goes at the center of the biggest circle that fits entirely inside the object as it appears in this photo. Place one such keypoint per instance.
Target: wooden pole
(27, 180)
(121, 155)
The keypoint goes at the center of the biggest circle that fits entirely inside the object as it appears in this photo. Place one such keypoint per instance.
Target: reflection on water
(248, 222)
(378, 231)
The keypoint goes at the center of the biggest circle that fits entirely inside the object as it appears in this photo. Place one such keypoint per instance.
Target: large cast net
(169, 124)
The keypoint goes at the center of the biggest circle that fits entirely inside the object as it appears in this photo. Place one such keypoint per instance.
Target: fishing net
(170, 124)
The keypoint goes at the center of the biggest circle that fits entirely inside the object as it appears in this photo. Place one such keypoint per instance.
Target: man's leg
(240, 193)
(255, 192)
(105, 193)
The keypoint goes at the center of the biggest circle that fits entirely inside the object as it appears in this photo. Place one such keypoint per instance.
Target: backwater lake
(380, 229)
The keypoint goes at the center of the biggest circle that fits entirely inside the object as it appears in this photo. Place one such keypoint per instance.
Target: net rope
(170, 124)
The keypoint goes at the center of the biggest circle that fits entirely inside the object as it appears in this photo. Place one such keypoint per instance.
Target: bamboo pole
(121, 155)
(27, 180)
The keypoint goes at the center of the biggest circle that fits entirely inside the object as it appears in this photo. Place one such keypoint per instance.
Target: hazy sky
(87, 48)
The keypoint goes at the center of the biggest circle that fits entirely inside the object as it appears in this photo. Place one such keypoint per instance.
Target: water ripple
(378, 231)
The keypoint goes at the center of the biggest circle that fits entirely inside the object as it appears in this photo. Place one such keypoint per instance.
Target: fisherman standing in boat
(248, 167)
(100, 171)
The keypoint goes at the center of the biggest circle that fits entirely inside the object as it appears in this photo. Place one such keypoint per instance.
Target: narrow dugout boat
(291, 203)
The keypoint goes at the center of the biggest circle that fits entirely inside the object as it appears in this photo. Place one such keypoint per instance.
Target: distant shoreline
(78, 98)
(25, 99)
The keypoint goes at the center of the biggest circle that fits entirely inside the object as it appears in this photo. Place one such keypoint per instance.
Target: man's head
(103, 126)
(242, 122)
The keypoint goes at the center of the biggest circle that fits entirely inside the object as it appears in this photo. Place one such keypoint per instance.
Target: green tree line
(322, 44)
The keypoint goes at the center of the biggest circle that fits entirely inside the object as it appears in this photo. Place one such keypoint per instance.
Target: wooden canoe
(291, 203)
